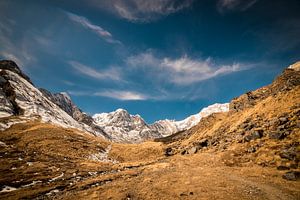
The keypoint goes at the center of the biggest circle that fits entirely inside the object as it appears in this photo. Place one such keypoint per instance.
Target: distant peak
(295, 66)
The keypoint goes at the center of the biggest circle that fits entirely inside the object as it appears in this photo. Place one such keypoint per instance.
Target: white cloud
(104, 34)
(141, 10)
(183, 70)
(110, 74)
(122, 95)
(234, 5)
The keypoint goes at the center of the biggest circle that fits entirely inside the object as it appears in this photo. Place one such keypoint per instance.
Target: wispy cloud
(122, 95)
(183, 70)
(20, 52)
(109, 74)
(234, 5)
(143, 11)
(104, 34)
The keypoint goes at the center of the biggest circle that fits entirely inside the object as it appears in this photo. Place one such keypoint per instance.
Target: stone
(281, 127)
(251, 150)
(292, 175)
(278, 135)
(202, 143)
(254, 135)
(289, 154)
(192, 150)
(169, 152)
(283, 120)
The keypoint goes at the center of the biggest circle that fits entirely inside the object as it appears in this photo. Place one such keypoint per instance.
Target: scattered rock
(203, 143)
(169, 152)
(251, 150)
(192, 150)
(281, 127)
(289, 154)
(183, 152)
(283, 120)
(278, 135)
(292, 175)
(254, 135)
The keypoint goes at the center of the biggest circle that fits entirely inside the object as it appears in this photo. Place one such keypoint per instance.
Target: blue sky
(157, 58)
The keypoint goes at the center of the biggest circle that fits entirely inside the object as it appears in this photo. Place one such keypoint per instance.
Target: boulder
(278, 135)
(192, 150)
(292, 175)
(256, 134)
(289, 154)
(169, 151)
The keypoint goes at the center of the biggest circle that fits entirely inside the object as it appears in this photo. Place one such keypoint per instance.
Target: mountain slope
(262, 127)
(21, 98)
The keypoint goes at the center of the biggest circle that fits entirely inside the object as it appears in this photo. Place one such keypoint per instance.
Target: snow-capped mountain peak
(122, 126)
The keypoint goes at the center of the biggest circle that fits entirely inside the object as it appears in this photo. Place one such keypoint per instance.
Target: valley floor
(40, 161)
(201, 176)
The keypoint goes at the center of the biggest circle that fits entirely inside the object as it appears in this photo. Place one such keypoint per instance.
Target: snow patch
(31, 184)
(102, 156)
(57, 177)
(7, 189)
(52, 192)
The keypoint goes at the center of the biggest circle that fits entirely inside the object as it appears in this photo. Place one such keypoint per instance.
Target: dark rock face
(9, 94)
(12, 66)
(65, 103)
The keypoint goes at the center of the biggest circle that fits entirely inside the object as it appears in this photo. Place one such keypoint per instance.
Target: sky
(156, 58)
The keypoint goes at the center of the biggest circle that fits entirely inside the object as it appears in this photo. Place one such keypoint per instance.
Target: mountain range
(19, 97)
